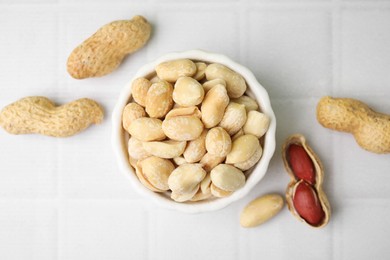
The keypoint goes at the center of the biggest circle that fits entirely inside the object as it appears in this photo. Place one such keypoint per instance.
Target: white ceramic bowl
(120, 137)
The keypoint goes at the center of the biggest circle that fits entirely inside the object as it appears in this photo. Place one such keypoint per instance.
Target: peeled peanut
(188, 92)
(184, 111)
(157, 171)
(165, 149)
(227, 177)
(200, 70)
(211, 83)
(257, 124)
(261, 210)
(159, 99)
(185, 178)
(142, 178)
(172, 70)
(213, 106)
(196, 148)
(179, 160)
(235, 83)
(136, 150)
(242, 149)
(147, 129)
(219, 193)
(209, 161)
(218, 142)
(234, 118)
(246, 165)
(139, 89)
(131, 112)
(204, 191)
(182, 197)
(182, 128)
(248, 102)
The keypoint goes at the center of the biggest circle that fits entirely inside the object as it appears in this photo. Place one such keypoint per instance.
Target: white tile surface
(66, 199)
(365, 51)
(28, 230)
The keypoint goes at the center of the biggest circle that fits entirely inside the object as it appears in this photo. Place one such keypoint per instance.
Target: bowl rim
(260, 169)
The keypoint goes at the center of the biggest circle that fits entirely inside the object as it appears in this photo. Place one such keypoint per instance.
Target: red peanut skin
(307, 204)
(301, 164)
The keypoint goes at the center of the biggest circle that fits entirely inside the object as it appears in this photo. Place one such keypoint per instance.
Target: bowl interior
(254, 90)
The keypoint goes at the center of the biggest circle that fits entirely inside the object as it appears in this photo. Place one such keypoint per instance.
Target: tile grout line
(336, 75)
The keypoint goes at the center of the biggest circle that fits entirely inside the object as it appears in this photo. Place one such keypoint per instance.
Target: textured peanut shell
(39, 115)
(319, 171)
(370, 129)
(102, 53)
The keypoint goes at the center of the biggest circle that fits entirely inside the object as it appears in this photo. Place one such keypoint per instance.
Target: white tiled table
(66, 199)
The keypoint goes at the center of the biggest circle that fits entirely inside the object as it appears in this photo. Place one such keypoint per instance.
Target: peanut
(131, 112)
(234, 118)
(219, 193)
(196, 148)
(213, 106)
(147, 129)
(185, 178)
(249, 103)
(301, 164)
(307, 204)
(211, 83)
(200, 70)
(182, 128)
(370, 128)
(165, 149)
(39, 115)
(159, 99)
(257, 124)
(157, 171)
(102, 53)
(218, 142)
(184, 111)
(136, 149)
(139, 89)
(172, 70)
(235, 83)
(209, 161)
(261, 210)
(246, 165)
(242, 149)
(188, 92)
(227, 177)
